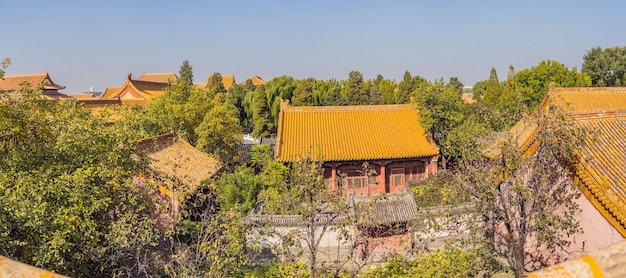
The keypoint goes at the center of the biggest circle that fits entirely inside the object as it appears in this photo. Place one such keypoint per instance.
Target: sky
(97, 43)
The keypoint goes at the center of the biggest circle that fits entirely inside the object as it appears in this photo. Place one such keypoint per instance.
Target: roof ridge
(348, 108)
(26, 74)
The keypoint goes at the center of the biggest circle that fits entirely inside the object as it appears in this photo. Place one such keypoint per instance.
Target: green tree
(185, 73)
(276, 90)
(440, 109)
(356, 93)
(478, 90)
(533, 83)
(375, 97)
(215, 84)
(220, 133)
(455, 83)
(66, 189)
(406, 87)
(493, 91)
(214, 246)
(606, 67)
(388, 89)
(335, 98)
(261, 114)
(236, 96)
(303, 94)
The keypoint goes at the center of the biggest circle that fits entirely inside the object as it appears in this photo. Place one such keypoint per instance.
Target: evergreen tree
(406, 87)
(261, 114)
(335, 98)
(375, 98)
(511, 72)
(493, 90)
(303, 94)
(215, 83)
(356, 94)
(185, 74)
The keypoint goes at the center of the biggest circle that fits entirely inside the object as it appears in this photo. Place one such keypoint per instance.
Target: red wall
(397, 175)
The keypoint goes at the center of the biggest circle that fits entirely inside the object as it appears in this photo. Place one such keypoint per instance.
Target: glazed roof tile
(601, 171)
(166, 77)
(352, 133)
(14, 82)
(173, 157)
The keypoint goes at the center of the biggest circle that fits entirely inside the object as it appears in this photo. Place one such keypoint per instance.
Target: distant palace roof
(167, 77)
(352, 133)
(136, 92)
(14, 82)
(227, 80)
(601, 171)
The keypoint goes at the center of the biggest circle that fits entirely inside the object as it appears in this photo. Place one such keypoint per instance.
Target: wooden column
(333, 176)
(383, 175)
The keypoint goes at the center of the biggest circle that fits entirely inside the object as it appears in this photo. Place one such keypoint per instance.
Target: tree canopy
(606, 67)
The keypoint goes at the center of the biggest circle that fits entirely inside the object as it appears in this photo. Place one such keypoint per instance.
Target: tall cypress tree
(356, 93)
(493, 91)
(185, 74)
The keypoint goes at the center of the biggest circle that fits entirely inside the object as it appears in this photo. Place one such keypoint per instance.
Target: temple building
(11, 83)
(367, 149)
(140, 92)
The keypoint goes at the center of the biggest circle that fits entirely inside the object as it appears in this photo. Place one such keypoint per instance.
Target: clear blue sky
(87, 43)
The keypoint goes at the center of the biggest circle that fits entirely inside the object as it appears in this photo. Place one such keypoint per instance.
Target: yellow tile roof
(14, 82)
(352, 133)
(165, 77)
(601, 171)
(173, 157)
(146, 89)
(256, 81)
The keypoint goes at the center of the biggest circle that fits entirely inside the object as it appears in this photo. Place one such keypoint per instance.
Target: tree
(356, 94)
(236, 96)
(261, 114)
(533, 83)
(303, 94)
(606, 67)
(375, 98)
(405, 88)
(215, 84)
(456, 84)
(220, 133)
(440, 112)
(276, 90)
(478, 90)
(527, 202)
(67, 190)
(214, 246)
(387, 89)
(3, 66)
(493, 91)
(185, 73)
(335, 98)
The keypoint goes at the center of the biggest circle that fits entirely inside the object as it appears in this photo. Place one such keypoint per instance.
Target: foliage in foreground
(444, 263)
(441, 189)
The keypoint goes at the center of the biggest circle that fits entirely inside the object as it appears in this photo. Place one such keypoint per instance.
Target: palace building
(369, 149)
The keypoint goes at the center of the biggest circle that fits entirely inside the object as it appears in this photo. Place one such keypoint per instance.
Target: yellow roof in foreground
(351, 133)
(601, 171)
